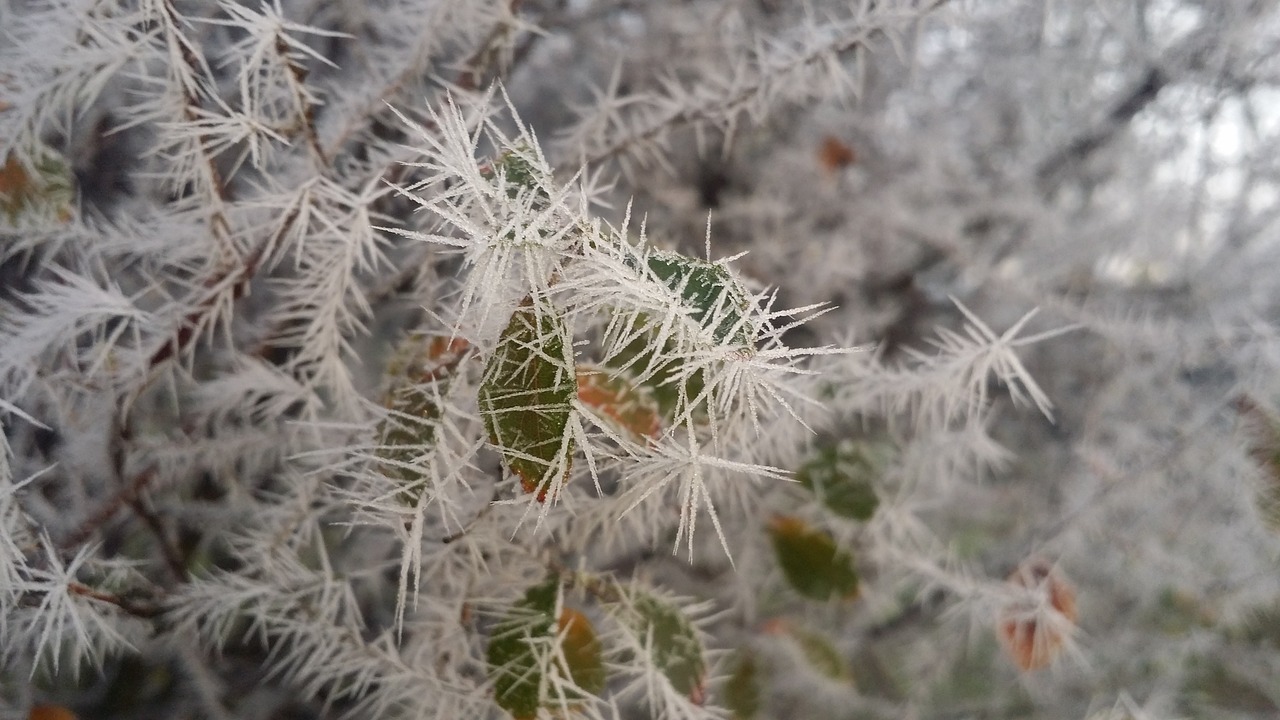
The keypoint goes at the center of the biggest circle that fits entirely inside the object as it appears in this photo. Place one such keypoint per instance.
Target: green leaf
(515, 647)
(811, 562)
(523, 640)
(673, 645)
(662, 378)
(742, 690)
(821, 655)
(712, 296)
(843, 478)
(418, 374)
(520, 173)
(528, 384)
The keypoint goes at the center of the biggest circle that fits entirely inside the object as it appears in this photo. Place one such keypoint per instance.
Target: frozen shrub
(896, 358)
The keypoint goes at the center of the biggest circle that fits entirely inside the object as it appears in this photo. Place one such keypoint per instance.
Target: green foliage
(710, 294)
(664, 379)
(524, 639)
(1177, 612)
(742, 689)
(188, 452)
(523, 643)
(843, 477)
(520, 174)
(821, 655)
(673, 645)
(528, 384)
(811, 562)
(513, 650)
(418, 374)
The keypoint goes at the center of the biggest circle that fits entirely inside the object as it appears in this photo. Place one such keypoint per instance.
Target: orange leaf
(15, 183)
(50, 712)
(619, 401)
(1032, 630)
(582, 652)
(835, 154)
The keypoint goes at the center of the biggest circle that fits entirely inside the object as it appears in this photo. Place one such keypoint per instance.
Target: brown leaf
(1030, 633)
(620, 401)
(50, 712)
(835, 155)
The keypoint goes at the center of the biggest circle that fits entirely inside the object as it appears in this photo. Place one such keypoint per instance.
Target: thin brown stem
(306, 109)
(172, 555)
(124, 496)
(131, 607)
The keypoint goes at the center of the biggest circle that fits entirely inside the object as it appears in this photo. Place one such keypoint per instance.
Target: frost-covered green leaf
(515, 664)
(811, 562)
(518, 172)
(525, 396)
(662, 376)
(417, 377)
(668, 635)
(539, 657)
(710, 294)
(843, 477)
